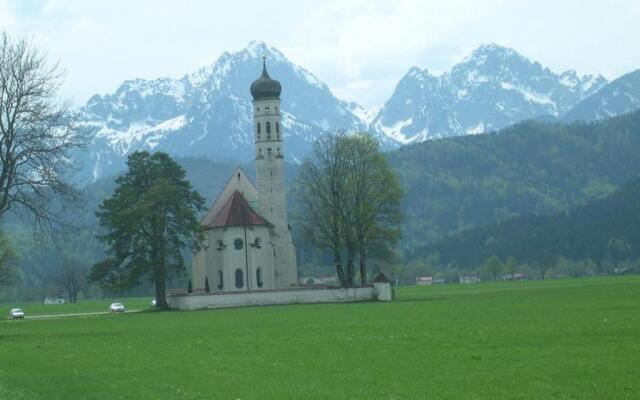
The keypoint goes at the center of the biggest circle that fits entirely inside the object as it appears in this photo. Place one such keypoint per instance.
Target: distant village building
(248, 241)
(469, 279)
(424, 280)
(54, 300)
(514, 277)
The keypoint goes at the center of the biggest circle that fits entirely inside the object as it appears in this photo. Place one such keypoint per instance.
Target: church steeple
(270, 172)
(265, 87)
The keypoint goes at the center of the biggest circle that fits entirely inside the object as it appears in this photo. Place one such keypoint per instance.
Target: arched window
(238, 243)
(258, 128)
(259, 277)
(268, 127)
(239, 279)
(277, 128)
(220, 281)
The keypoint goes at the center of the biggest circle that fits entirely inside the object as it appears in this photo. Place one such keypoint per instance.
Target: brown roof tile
(236, 212)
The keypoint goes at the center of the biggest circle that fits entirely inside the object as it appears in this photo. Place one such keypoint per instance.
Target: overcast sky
(359, 48)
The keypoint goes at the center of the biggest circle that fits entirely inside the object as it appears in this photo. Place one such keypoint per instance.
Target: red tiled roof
(236, 212)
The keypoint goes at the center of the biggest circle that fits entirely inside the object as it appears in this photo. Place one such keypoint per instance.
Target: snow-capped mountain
(209, 112)
(620, 96)
(491, 89)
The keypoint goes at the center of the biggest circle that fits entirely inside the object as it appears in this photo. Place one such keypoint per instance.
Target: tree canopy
(348, 201)
(150, 218)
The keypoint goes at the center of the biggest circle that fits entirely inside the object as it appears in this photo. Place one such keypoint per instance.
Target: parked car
(16, 313)
(116, 308)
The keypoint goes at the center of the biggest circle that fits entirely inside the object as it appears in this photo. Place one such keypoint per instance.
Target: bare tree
(319, 191)
(373, 211)
(72, 276)
(36, 133)
(349, 201)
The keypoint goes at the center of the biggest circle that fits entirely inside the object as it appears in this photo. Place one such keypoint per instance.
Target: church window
(221, 245)
(259, 280)
(277, 128)
(220, 281)
(267, 109)
(238, 243)
(268, 127)
(258, 128)
(239, 279)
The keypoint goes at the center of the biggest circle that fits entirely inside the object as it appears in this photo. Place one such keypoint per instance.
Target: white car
(116, 308)
(16, 313)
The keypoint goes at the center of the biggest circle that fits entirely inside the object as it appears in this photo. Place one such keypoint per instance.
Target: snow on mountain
(492, 88)
(618, 97)
(209, 113)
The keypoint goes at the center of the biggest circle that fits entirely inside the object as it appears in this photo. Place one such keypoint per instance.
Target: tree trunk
(350, 268)
(337, 258)
(363, 268)
(161, 291)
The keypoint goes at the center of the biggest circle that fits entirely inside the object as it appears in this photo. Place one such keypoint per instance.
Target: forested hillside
(605, 231)
(459, 183)
(451, 185)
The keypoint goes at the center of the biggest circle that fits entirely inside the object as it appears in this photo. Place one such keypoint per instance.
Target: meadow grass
(553, 339)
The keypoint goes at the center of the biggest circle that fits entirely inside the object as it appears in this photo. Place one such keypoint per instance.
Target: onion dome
(265, 87)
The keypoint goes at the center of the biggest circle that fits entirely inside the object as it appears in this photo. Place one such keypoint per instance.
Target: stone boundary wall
(379, 291)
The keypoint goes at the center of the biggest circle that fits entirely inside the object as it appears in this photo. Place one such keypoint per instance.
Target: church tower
(272, 198)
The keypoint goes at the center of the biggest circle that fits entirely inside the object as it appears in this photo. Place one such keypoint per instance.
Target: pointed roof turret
(265, 87)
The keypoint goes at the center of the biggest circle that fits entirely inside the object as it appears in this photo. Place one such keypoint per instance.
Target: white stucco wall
(381, 292)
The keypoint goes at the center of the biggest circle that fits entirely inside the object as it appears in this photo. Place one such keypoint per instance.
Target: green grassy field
(554, 339)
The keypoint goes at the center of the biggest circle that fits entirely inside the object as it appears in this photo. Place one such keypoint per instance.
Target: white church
(248, 257)
(248, 240)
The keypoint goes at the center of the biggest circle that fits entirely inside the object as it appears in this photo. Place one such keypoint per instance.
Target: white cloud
(360, 48)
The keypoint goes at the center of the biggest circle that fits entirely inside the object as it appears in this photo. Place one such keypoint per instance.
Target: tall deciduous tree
(493, 266)
(511, 266)
(36, 134)
(373, 196)
(349, 201)
(320, 194)
(150, 218)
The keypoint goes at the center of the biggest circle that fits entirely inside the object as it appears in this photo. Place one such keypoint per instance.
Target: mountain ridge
(208, 112)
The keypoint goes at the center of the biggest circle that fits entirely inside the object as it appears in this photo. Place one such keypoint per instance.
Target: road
(73, 314)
